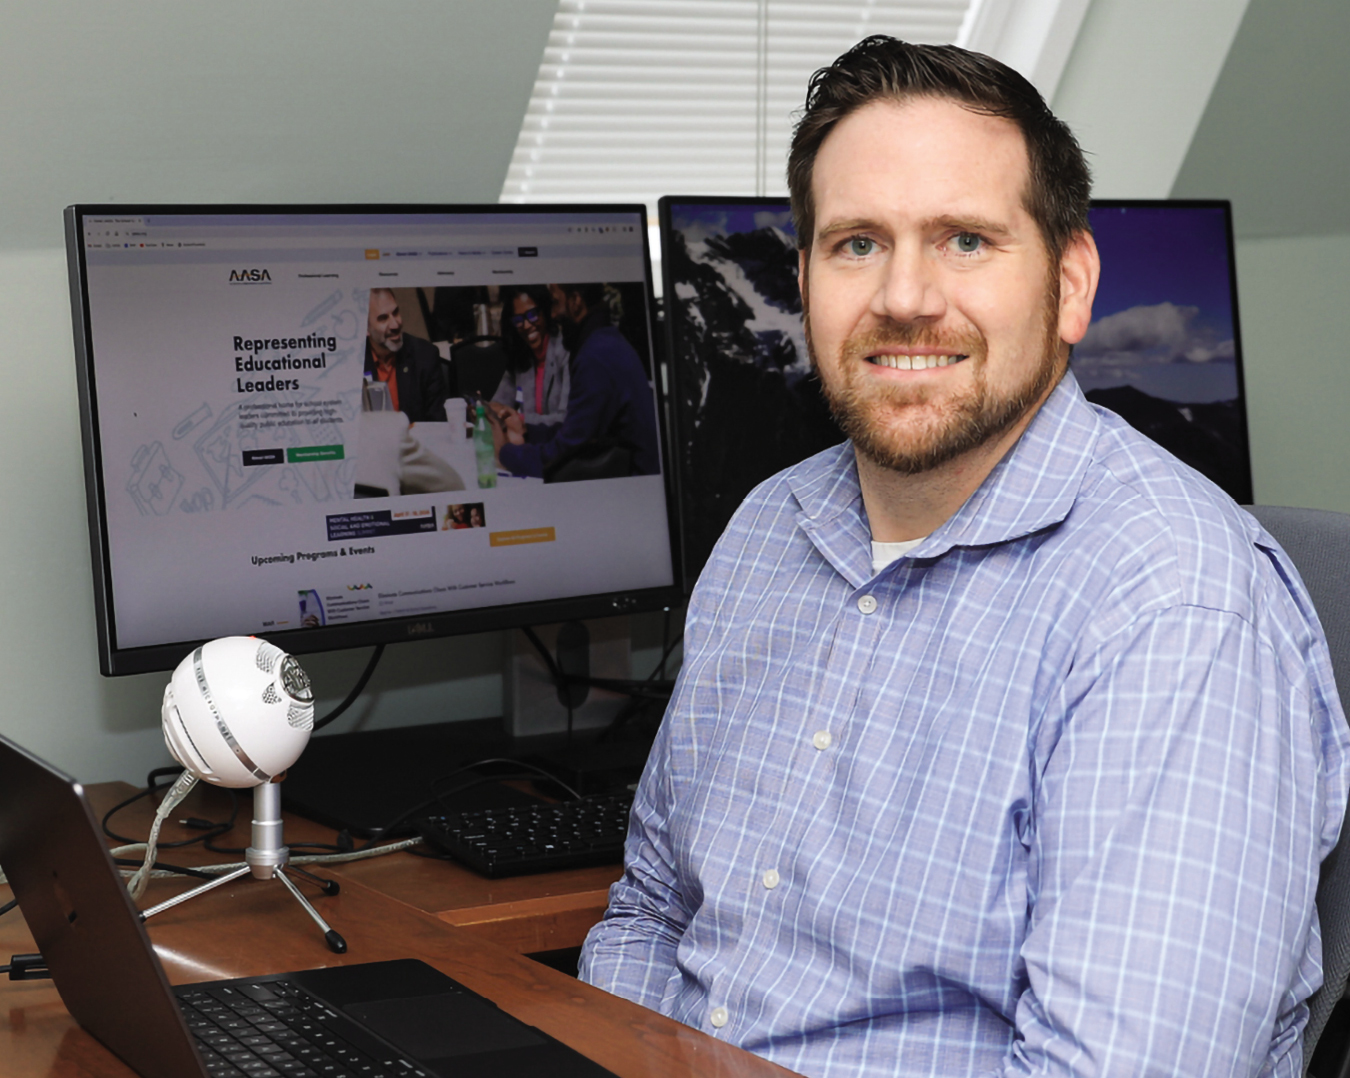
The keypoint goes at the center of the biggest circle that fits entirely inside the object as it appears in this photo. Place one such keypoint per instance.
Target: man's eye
(861, 246)
(967, 243)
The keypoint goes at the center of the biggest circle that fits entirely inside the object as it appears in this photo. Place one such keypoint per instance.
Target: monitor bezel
(115, 661)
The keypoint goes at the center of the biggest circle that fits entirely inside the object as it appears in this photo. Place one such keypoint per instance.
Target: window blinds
(640, 98)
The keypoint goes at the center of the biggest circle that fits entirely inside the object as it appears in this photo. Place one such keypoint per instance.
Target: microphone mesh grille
(300, 717)
(267, 656)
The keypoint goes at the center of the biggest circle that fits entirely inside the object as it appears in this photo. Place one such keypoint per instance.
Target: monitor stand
(363, 781)
(536, 709)
(533, 705)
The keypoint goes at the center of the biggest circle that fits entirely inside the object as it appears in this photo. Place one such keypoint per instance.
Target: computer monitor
(279, 407)
(1163, 349)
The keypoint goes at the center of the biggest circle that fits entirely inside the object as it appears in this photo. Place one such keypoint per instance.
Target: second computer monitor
(1163, 349)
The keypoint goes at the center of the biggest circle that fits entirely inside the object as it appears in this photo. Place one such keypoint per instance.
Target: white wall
(1292, 299)
(1272, 136)
(227, 100)
(250, 101)
(1136, 86)
(54, 701)
(1272, 141)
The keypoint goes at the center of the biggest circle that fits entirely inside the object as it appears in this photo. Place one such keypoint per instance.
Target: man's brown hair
(882, 68)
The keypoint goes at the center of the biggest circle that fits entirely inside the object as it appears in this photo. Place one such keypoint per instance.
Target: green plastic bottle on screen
(482, 449)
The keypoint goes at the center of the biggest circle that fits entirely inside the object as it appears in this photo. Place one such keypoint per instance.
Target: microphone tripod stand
(267, 859)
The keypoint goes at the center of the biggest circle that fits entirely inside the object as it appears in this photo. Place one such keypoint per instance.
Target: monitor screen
(336, 426)
(1163, 349)
(744, 400)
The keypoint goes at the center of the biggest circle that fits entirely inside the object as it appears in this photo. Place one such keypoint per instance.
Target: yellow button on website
(524, 535)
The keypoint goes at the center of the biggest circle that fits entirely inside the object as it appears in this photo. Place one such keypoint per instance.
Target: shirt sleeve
(631, 952)
(421, 471)
(1181, 813)
(591, 408)
(506, 390)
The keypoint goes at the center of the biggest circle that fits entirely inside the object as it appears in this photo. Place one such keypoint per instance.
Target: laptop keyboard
(276, 1028)
(534, 838)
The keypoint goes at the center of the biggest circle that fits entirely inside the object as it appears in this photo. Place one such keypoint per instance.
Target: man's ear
(1080, 267)
(802, 255)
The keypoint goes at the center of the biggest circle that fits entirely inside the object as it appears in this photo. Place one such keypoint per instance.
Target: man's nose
(909, 288)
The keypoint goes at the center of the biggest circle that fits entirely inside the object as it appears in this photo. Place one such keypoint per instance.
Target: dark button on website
(254, 457)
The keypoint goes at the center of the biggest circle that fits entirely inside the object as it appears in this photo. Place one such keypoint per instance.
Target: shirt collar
(1033, 487)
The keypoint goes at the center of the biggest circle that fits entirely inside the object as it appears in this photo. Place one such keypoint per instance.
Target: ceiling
(1275, 135)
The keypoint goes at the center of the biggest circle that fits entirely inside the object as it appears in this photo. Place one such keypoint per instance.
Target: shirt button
(821, 739)
(771, 879)
(719, 1017)
(867, 604)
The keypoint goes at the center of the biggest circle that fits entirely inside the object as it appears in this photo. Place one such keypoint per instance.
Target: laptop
(382, 1018)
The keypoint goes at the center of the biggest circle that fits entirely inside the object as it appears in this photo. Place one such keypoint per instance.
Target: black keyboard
(276, 1028)
(533, 838)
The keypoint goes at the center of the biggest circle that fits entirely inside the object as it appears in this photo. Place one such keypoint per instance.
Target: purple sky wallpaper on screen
(1162, 350)
(1163, 318)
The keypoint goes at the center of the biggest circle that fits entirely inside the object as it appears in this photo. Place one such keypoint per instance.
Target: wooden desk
(527, 914)
(250, 927)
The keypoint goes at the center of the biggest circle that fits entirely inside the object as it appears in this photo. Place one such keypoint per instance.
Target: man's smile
(914, 362)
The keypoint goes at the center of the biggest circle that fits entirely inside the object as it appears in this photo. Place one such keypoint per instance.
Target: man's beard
(392, 344)
(913, 429)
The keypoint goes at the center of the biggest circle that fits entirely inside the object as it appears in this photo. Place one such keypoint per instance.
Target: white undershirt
(885, 553)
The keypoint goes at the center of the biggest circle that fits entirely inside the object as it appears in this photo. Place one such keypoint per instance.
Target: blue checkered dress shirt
(1047, 795)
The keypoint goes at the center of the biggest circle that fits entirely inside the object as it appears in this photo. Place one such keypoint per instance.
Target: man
(609, 407)
(408, 365)
(1004, 742)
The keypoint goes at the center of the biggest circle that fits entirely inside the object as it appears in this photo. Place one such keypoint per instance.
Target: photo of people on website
(467, 515)
(561, 373)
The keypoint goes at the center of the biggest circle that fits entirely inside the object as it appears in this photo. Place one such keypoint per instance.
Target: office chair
(476, 367)
(1318, 542)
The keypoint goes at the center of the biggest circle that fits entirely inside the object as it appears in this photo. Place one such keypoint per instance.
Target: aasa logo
(250, 276)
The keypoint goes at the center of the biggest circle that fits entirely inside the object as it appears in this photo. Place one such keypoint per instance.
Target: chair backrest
(1318, 541)
(477, 366)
